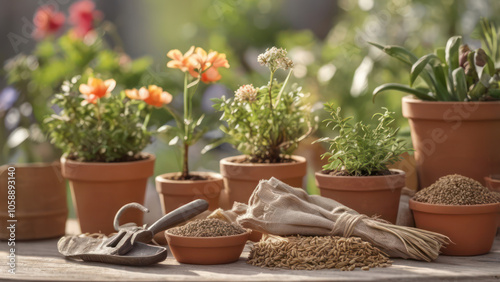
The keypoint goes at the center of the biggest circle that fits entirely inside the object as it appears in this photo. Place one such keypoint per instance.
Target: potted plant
(266, 124)
(61, 51)
(102, 136)
(357, 174)
(454, 115)
(178, 188)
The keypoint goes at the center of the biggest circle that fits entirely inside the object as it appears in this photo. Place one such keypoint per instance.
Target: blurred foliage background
(327, 40)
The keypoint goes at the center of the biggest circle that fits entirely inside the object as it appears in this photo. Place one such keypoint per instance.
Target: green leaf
(397, 52)
(403, 88)
(419, 66)
(440, 53)
(215, 144)
(451, 52)
(459, 83)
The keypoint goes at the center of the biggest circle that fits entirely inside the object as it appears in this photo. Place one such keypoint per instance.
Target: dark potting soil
(248, 160)
(207, 228)
(456, 190)
(345, 173)
(138, 157)
(194, 177)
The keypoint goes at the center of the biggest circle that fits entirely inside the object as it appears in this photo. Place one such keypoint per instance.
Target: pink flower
(82, 15)
(47, 21)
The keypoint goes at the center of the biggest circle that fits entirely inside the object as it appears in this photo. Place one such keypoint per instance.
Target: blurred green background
(326, 39)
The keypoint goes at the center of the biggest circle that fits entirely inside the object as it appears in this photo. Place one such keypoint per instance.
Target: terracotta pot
(472, 229)
(207, 250)
(370, 195)
(99, 190)
(240, 179)
(176, 193)
(454, 138)
(40, 201)
(493, 182)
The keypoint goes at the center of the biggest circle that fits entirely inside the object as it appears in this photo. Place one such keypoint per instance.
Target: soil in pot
(207, 241)
(175, 192)
(241, 178)
(460, 208)
(40, 200)
(371, 195)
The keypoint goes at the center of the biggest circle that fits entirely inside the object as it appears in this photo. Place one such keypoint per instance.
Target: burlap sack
(279, 209)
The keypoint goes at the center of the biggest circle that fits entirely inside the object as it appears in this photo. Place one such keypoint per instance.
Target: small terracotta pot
(370, 195)
(241, 179)
(493, 182)
(176, 193)
(99, 190)
(472, 228)
(207, 250)
(454, 138)
(40, 204)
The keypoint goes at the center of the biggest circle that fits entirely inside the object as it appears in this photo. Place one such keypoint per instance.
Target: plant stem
(270, 91)
(185, 141)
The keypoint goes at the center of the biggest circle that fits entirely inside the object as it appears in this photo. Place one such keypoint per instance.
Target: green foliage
(112, 130)
(462, 75)
(360, 149)
(263, 133)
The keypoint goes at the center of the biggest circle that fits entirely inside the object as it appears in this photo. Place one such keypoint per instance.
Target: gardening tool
(128, 246)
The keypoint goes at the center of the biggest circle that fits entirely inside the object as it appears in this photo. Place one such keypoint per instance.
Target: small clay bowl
(493, 182)
(207, 250)
(471, 228)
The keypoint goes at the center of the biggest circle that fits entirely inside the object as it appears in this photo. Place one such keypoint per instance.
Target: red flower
(47, 21)
(82, 15)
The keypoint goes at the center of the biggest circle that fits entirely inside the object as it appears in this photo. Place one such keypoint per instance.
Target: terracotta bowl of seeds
(205, 242)
(471, 228)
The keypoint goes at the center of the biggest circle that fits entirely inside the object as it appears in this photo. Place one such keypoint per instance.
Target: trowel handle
(179, 215)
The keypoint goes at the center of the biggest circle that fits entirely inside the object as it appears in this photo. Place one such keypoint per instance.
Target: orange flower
(133, 94)
(96, 88)
(179, 61)
(207, 65)
(153, 95)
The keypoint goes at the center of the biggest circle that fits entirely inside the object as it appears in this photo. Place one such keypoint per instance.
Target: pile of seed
(456, 190)
(207, 228)
(319, 252)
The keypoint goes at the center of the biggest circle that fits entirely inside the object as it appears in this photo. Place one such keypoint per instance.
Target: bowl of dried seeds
(460, 208)
(207, 241)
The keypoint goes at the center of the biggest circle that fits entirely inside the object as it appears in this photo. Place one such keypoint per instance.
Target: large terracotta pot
(240, 179)
(472, 228)
(99, 190)
(40, 201)
(370, 195)
(454, 138)
(176, 193)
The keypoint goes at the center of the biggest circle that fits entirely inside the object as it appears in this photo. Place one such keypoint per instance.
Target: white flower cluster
(275, 58)
(246, 93)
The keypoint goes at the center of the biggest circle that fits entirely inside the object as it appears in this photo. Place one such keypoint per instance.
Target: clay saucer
(207, 250)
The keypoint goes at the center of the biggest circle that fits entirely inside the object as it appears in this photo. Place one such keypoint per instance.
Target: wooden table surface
(40, 261)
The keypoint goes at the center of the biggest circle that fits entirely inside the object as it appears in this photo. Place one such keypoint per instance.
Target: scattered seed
(319, 252)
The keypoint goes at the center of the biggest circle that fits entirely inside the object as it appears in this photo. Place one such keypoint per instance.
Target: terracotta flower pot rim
(204, 242)
(381, 182)
(454, 209)
(76, 170)
(436, 110)
(229, 162)
(163, 178)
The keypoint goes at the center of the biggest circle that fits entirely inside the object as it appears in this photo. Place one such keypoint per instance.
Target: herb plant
(453, 73)
(360, 149)
(266, 123)
(97, 126)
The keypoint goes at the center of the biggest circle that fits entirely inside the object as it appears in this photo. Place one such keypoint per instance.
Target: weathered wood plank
(39, 260)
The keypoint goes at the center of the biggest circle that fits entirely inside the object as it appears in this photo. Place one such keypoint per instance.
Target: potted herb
(357, 174)
(66, 45)
(102, 136)
(266, 124)
(178, 188)
(454, 113)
